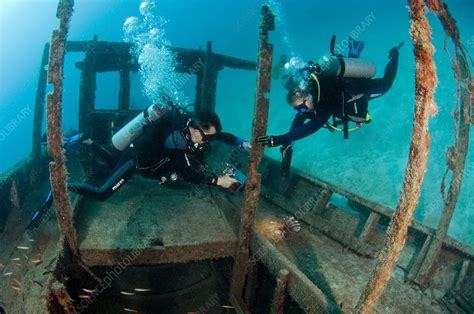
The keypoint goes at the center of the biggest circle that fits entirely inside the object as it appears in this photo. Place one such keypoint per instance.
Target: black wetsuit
(333, 92)
(161, 153)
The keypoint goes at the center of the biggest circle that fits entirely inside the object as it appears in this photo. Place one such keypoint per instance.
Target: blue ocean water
(371, 163)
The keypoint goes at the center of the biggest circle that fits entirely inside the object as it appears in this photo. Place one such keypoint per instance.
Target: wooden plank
(278, 304)
(370, 226)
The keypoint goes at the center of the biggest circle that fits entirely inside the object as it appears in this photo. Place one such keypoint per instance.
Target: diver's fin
(38, 215)
(355, 48)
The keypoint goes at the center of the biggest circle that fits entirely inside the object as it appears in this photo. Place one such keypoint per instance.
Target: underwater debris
(127, 293)
(23, 248)
(142, 290)
(17, 289)
(88, 290)
(130, 310)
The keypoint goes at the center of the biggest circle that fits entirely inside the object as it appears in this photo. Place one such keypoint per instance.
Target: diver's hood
(181, 140)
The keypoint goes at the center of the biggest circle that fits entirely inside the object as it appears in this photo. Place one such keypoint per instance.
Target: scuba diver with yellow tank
(339, 86)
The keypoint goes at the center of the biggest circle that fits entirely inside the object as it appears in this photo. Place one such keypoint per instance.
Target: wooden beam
(278, 304)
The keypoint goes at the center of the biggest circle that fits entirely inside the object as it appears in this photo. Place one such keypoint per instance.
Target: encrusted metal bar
(252, 190)
(426, 81)
(458, 153)
(55, 135)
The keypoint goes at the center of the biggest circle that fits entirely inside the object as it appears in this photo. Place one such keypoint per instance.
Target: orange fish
(17, 289)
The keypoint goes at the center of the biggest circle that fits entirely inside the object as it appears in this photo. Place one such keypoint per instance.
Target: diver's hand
(244, 144)
(270, 140)
(394, 52)
(227, 182)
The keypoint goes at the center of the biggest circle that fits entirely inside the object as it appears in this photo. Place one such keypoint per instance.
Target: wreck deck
(153, 224)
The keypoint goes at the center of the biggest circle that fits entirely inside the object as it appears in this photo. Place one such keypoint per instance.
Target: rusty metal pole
(57, 167)
(457, 154)
(252, 190)
(426, 81)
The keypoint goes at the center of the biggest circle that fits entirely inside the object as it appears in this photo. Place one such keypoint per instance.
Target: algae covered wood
(426, 81)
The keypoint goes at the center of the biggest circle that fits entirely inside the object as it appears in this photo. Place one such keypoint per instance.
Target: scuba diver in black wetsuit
(338, 87)
(173, 146)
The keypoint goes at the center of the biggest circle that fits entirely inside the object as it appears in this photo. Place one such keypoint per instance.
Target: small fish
(84, 296)
(26, 257)
(142, 290)
(17, 289)
(130, 310)
(88, 290)
(228, 307)
(31, 240)
(17, 264)
(36, 262)
(127, 293)
(17, 281)
(23, 248)
(16, 259)
(8, 274)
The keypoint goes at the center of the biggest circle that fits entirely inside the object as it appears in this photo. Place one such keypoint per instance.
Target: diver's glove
(394, 52)
(271, 140)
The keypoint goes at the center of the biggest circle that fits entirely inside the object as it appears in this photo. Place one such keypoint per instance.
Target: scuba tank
(132, 130)
(341, 67)
(345, 68)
